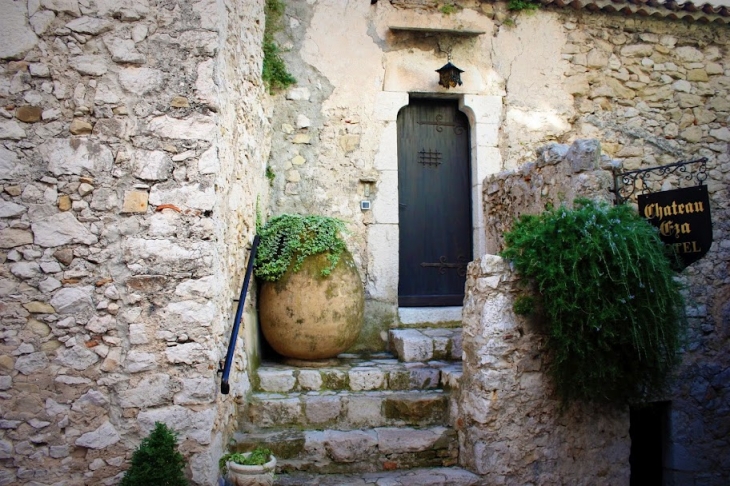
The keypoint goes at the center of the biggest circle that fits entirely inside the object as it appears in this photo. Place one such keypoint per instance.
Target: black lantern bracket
(634, 182)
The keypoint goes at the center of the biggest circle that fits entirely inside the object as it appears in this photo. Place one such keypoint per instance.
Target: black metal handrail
(226, 368)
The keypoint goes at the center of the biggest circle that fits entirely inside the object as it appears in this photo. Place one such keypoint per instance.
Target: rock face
(307, 316)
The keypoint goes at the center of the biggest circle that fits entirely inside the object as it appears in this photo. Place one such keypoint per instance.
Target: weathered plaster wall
(512, 430)
(132, 146)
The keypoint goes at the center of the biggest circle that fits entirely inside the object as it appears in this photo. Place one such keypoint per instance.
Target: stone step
(441, 476)
(426, 344)
(346, 410)
(353, 373)
(348, 451)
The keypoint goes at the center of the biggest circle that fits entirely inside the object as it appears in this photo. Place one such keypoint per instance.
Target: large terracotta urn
(307, 316)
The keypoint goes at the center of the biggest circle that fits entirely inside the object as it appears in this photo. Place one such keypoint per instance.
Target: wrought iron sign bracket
(625, 183)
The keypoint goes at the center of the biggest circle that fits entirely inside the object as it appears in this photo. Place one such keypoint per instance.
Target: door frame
(484, 114)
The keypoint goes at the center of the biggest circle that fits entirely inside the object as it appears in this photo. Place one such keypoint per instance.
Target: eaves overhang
(709, 11)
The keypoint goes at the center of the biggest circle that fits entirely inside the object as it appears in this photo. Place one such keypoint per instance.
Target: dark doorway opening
(648, 435)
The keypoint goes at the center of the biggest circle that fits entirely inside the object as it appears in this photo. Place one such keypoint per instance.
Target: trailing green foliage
(274, 72)
(288, 239)
(518, 5)
(613, 308)
(524, 305)
(156, 461)
(257, 457)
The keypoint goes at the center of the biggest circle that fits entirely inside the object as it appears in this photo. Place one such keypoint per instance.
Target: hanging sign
(683, 219)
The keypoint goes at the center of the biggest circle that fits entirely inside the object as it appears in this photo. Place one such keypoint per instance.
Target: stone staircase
(381, 419)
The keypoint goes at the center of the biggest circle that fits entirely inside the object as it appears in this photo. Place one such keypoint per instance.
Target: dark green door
(435, 203)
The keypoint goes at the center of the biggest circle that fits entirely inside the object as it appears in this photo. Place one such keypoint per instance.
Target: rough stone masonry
(132, 141)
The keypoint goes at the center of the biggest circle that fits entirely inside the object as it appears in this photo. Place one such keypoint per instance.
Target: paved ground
(411, 477)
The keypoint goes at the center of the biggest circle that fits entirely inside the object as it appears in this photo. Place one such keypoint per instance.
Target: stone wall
(655, 92)
(512, 429)
(560, 174)
(132, 149)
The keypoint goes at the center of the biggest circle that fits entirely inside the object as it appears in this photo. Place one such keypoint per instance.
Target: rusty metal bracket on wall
(634, 182)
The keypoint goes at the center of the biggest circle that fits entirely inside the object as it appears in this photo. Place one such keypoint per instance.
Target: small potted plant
(255, 468)
(311, 302)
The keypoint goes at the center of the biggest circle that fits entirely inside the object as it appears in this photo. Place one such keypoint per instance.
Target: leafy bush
(156, 461)
(613, 308)
(288, 239)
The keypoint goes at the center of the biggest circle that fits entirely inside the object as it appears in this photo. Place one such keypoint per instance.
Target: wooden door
(435, 203)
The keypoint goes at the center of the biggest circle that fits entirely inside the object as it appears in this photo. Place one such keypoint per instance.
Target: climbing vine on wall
(613, 307)
(274, 73)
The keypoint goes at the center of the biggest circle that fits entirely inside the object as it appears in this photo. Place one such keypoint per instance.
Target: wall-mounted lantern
(450, 76)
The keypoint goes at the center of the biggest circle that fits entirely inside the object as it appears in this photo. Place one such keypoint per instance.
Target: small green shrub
(257, 457)
(517, 5)
(612, 305)
(448, 9)
(274, 72)
(270, 174)
(156, 461)
(288, 239)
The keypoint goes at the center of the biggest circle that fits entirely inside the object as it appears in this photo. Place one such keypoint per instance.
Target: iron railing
(225, 368)
(640, 181)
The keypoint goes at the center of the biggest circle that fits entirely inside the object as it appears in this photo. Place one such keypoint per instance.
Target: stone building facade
(133, 147)
(134, 142)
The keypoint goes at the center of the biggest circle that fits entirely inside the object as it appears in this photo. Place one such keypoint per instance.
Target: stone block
(194, 127)
(322, 409)
(387, 156)
(486, 135)
(350, 446)
(67, 156)
(421, 408)
(399, 440)
(365, 410)
(275, 412)
(16, 37)
(135, 202)
(484, 109)
(383, 262)
(411, 345)
(104, 436)
(365, 379)
(385, 203)
(276, 380)
(310, 380)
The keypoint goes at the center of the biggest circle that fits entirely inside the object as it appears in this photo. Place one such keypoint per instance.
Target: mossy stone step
(354, 373)
(372, 450)
(346, 410)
